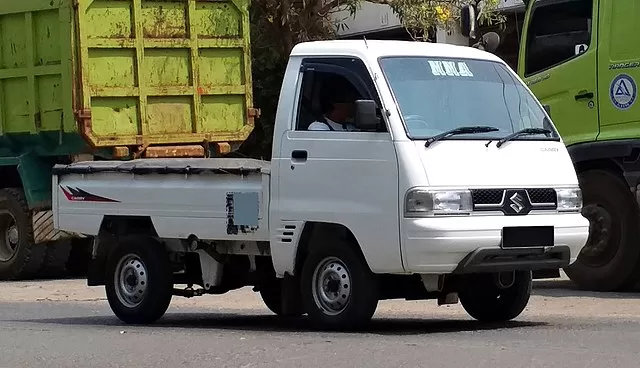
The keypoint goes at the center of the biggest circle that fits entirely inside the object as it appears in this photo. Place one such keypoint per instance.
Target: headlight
(422, 202)
(569, 200)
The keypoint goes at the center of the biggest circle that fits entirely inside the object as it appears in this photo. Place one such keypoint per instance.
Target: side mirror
(365, 116)
(468, 24)
(547, 108)
(491, 41)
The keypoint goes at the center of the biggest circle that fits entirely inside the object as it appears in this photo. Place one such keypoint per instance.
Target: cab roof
(381, 48)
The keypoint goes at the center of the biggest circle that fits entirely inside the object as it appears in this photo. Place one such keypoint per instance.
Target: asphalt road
(65, 324)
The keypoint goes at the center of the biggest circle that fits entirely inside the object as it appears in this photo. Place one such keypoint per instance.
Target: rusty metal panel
(174, 151)
(164, 72)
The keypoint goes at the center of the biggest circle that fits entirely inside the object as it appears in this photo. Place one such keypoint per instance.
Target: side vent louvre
(287, 233)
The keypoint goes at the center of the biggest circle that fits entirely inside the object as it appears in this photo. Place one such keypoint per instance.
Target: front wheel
(496, 298)
(339, 291)
(139, 282)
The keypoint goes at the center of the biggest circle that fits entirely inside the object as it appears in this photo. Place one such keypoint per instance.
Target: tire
(355, 304)
(79, 257)
(55, 258)
(272, 297)
(20, 258)
(608, 262)
(148, 262)
(485, 301)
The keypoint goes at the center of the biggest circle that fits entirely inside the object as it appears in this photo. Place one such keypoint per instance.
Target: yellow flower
(443, 14)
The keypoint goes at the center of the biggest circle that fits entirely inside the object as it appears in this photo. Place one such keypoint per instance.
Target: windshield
(436, 95)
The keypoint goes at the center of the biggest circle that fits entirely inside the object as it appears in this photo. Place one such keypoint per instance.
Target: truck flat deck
(168, 166)
(215, 199)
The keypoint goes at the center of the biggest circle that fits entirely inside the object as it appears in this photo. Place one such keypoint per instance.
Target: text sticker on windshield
(450, 68)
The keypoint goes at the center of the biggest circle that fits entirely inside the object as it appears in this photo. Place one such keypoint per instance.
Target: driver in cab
(337, 98)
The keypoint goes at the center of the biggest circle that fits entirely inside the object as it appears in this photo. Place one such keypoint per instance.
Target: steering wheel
(409, 119)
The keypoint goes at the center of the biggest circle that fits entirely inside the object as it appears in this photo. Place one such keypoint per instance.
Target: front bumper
(503, 260)
(473, 244)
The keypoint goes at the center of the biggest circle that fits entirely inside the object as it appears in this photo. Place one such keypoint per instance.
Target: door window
(558, 31)
(330, 87)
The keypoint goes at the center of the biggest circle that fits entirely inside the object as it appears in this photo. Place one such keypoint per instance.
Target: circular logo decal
(623, 91)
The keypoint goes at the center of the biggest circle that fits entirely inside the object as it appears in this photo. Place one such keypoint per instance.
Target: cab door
(619, 69)
(348, 178)
(558, 61)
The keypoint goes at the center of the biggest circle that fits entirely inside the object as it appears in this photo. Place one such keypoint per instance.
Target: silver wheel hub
(131, 281)
(331, 286)
(12, 236)
(9, 237)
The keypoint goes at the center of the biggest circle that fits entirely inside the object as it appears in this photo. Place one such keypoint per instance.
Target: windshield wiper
(460, 130)
(527, 131)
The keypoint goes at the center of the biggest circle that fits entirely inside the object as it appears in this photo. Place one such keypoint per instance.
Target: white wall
(511, 4)
(453, 37)
(369, 18)
(375, 17)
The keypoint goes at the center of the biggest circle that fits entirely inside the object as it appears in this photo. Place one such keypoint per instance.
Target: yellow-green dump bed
(163, 77)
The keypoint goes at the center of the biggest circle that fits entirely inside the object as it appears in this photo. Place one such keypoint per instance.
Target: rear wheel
(139, 281)
(339, 291)
(20, 257)
(608, 260)
(496, 298)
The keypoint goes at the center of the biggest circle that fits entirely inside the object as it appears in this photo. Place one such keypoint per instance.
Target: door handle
(584, 95)
(299, 155)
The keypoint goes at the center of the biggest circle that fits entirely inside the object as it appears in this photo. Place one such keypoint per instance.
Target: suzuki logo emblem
(517, 202)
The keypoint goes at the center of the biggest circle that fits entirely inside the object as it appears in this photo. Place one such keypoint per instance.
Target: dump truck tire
(79, 257)
(56, 258)
(20, 258)
(609, 260)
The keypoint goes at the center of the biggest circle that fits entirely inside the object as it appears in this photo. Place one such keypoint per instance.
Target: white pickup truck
(449, 183)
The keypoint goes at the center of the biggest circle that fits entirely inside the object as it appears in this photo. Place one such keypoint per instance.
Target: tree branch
(336, 3)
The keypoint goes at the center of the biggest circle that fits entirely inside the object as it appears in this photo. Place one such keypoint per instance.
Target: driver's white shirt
(319, 125)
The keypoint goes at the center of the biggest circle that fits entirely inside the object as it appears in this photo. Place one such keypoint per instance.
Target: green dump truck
(110, 79)
(581, 58)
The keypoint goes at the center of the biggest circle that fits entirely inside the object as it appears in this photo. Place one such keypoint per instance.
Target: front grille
(542, 195)
(492, 199)
(486, 196)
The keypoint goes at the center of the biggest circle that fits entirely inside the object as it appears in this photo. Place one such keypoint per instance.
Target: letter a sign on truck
(623, 91)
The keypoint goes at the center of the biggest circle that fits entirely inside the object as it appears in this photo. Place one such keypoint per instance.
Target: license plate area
(527, 236)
